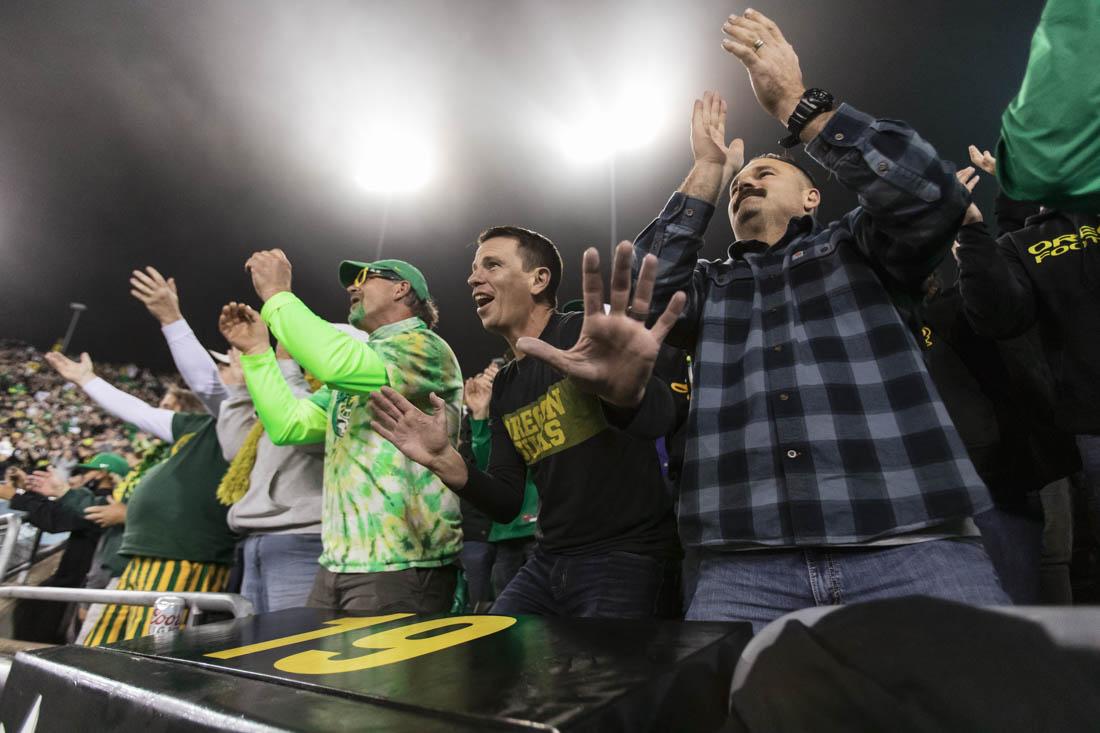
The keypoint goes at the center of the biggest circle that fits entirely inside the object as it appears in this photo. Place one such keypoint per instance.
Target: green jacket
(1050, 134)
(381, 511)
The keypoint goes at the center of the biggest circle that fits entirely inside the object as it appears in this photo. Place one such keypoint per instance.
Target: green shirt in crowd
(481, 444)
(381, 511)
(174, 512)
(1050, 133)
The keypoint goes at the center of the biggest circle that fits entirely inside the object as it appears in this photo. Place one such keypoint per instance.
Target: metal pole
(11, 537)
(232, 603)
(78, 308)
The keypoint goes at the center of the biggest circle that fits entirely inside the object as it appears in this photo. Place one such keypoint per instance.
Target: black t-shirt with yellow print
(600, 487)
(174, 512)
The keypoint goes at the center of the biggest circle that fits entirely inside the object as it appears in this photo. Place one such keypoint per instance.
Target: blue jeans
(610, 585)
(279, 569)
(511, 555)
(759, 586)
(1015, 546)
(1089, 448)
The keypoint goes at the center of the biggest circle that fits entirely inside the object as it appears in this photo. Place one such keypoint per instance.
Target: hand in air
(243, 328)
(615, 353)
(158, 295)
(271, 272)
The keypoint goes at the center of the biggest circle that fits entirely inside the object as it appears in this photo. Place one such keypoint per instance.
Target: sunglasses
(367, 273)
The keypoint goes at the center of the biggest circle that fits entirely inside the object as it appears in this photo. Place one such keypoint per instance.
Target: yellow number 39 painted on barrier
(391, 646)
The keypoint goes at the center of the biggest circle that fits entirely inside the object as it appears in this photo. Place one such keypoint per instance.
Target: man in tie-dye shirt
(390, 528)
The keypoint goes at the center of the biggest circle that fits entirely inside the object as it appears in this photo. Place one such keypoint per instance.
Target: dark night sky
(187, 133)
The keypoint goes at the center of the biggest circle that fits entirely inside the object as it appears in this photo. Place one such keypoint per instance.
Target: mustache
(745, 193)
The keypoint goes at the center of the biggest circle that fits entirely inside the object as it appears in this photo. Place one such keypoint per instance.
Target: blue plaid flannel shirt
(813, 419)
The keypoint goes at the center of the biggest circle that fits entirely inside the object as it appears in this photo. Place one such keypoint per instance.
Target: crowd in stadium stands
(45, 420)
(812, 418)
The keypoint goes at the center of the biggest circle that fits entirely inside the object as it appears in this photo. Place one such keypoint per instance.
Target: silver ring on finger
(758, 44)
(638, 315)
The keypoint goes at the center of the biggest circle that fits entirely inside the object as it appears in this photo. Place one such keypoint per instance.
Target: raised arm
(675, 237)
(287, 419)
(161, 299)
(910, 203)
(125, 407)
(327, 353)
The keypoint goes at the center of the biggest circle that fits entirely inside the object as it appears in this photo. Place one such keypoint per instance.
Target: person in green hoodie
(1049, 149)
(390, 529)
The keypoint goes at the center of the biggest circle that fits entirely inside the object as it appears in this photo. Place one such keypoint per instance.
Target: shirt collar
(390, 329)
(797, 226)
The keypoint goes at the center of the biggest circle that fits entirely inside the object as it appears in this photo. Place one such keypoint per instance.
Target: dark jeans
(610, 585)
(477, 562)
(1014, 544)
(416, 590)
(511, 555)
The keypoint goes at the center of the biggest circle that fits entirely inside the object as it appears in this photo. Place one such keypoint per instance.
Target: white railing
(232, 603)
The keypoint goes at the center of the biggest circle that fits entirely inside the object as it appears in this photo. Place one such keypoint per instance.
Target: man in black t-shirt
(606, 541)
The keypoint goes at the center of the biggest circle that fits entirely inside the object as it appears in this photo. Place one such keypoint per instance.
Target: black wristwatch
(814, 102)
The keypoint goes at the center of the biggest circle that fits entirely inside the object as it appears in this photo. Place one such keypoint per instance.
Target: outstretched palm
(422, 438)
(614, 355)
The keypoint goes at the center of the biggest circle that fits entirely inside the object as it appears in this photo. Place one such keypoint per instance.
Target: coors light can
(167, 614)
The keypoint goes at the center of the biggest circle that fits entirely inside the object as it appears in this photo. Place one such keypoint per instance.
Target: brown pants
(416, 590)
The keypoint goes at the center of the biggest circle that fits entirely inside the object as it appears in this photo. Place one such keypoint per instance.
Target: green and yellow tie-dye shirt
(381, 511)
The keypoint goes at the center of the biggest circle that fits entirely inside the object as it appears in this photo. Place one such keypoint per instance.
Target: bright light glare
(394, 160)
(629, 122)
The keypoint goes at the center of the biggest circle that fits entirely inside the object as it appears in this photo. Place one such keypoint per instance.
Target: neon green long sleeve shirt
(381, 511)
(1050, 133)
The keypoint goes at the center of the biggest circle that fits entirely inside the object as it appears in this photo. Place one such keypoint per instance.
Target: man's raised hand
(614, 355)
(478, 392)
(158, 295)
(80, 372)
(983, 159)
(271, 272)
(708, 136)
(243, 328)
(422, 438)
(968, 177)
(770, 60)
(47, 483)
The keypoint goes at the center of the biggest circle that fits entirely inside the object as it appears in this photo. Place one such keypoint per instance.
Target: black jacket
(43, 621)
(1047, 273)
(999, 397)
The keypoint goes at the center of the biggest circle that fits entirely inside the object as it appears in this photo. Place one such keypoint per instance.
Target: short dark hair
(536, 251)
(789, 161)
(424, 309)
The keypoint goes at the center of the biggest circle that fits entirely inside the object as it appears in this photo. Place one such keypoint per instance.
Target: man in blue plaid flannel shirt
(821, 465)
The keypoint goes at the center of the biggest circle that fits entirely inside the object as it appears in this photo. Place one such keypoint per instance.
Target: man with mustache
(821, 464)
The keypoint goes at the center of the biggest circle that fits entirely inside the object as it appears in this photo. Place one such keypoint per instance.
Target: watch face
(819, 96)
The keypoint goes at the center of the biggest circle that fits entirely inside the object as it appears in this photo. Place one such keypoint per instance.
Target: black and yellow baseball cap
(396, 269)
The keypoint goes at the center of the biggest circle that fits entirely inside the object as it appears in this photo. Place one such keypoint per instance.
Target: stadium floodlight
(602, 131)
(393, 159)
